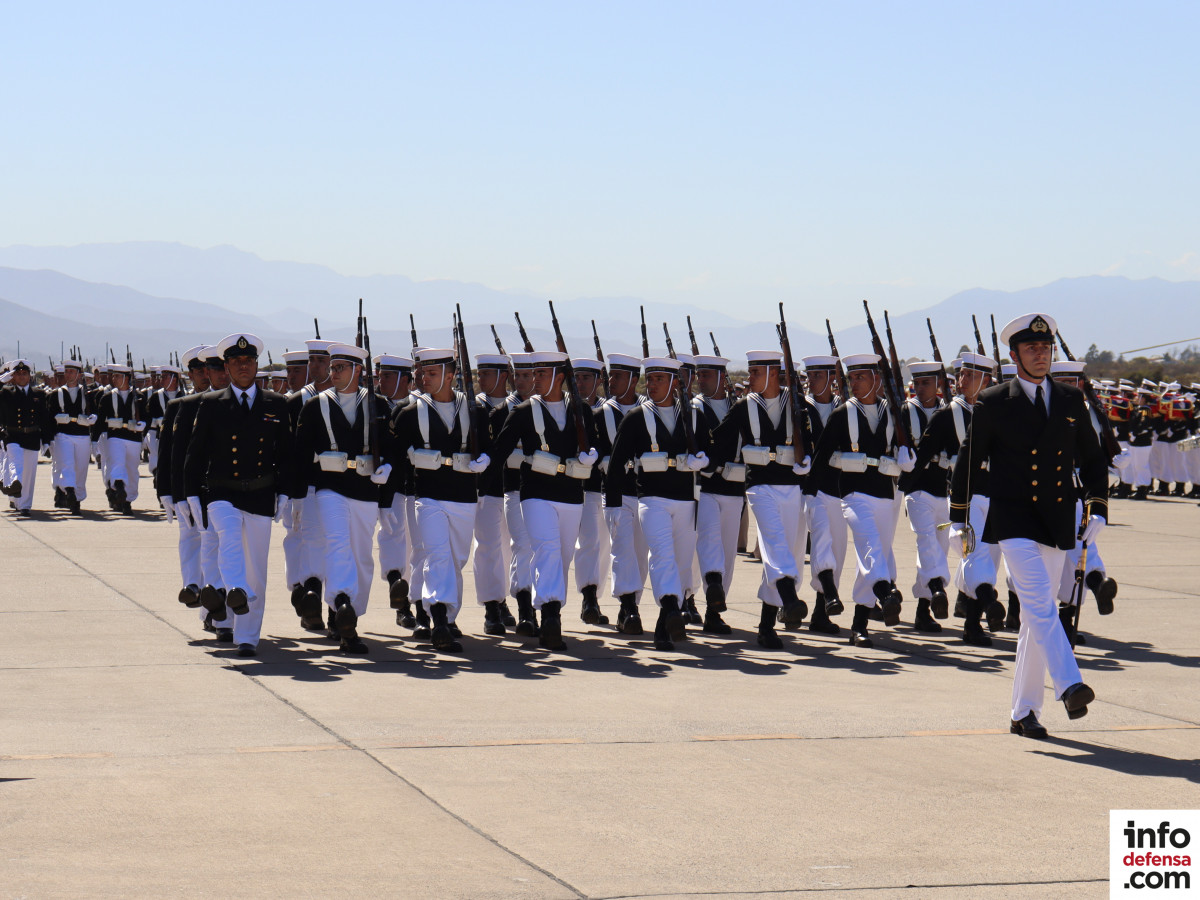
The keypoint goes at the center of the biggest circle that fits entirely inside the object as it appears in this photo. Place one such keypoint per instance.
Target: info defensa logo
(1152, 850)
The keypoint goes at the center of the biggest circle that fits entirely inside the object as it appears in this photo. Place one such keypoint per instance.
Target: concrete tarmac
(140, 759)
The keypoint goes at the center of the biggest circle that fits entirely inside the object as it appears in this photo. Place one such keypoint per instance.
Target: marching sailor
(395, 387)
(23, 422)
(593, 547)
(826, 525)
(492, 556)
(123, 412)
(156, 409)
(72, 419)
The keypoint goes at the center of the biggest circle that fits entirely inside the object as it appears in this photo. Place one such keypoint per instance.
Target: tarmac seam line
(840, 890)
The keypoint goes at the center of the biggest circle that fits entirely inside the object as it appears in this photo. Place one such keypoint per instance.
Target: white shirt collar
(250, 392)
(1030, 390)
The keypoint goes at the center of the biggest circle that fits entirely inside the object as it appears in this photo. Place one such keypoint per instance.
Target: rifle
(943, 379)
(645, 340)
(468, 378)
(797, 397)
(897, 372)
(499, 346)
(996, 350)
(577, 402)
(524, 336)
(685, 406)
(358, 338)
(725, 373)
(889, 386)
(600, 357)
(692, 337)
(413, 331)
(458, 369)
(978, 340)
(368, 376)
(316, 328)
(270, 361)
(1107, 438)
(843, 389)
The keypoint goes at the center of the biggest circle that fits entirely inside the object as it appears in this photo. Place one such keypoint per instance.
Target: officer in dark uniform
(23, 418)
(1030, 432)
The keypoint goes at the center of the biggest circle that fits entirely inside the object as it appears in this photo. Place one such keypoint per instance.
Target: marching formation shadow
(1127, 762)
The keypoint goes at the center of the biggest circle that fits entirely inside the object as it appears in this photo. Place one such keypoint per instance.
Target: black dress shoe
(961, 604)
(833, 602)
(237, 601)
(1104, 589)
(314, 623)
(224, 635)
(767, 638)
(1012, 621)
(213, 599)
(354, 645)
(246, 650)
(1028, 727)
(1076, 699)
(714, 624)
(189, 596)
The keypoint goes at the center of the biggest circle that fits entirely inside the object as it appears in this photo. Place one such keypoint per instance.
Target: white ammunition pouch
(785, 456)
(756, 455)
(115, 423)
(515, 459)
(576, 469)
(734, 472)
(333, 461)
(850, 462)
(63, 419)
(461, 462)
(364, 465)
(888, 466)
(427, 458)
(655, 461)
(424, 459)
(545, 463)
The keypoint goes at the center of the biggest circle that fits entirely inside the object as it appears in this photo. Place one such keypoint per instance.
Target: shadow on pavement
(1129, 762)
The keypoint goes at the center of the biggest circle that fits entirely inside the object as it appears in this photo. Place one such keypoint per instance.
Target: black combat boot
(1142, 493)
(961, 605)
(890, 601)
(924, 621)
(527, 625)
(973, 632)
(819, 622)
(492, 623)
(713, 623)
(72, 500)
(1105, 590)
(833, 603)
(691, 615)
(506, 615)
(1066, 615)
(628, 619)
(1180, 489)
(1012, 621)
(672, 617)
(422, 630)
(440, 635)
(993, 609)
(939, 603)
(550, 634)
(858, 629)
(591, 607)
(398, 590)
(714, 592)
(794, 609)
(767, 638)
(345, 619)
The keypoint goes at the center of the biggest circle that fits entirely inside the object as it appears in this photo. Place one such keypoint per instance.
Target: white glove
(297, 513)
(168, 506)
(62, 419)
(139, 426)
(196, 510)
(604, 465)
(285, 514)
(1095, 525)
(616, 518)
(183, 513)
(381, 475)
(388, 521)
(588, 457)
(964, 535)
(281, 503)
(906, 459)
(480, 463)
(696, 461)
(1122, 460)
(92, 419)
(803, 467)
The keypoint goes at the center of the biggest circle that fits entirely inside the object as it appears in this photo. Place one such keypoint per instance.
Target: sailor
(557, 445)
(156, 408)
(1141, 439)
(337, 457)
(520, 568)
(860, 441)
(23, 419)
(593, 547)
(654, 439)
(761, 425)
(1031, 433)
(926, 493)
(492, 556)
(823, 507)
(236, 475)
(395, 387)
(123, 412)
(722, 499)
(629, 556)
(433, 435)
(72, 420)
(295, 366)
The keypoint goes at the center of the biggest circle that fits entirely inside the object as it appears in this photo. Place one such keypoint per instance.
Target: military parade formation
(633, 473)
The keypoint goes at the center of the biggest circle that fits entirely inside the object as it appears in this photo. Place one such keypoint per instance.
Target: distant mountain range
(159, 297)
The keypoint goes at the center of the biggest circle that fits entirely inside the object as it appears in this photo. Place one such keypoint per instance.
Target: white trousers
(520, 568)
(1094, 563)
(925, 513)
(778, 511)
(124, 460)
(70, 468)
(416, 551)
(593, 547)
(445, 529)
(349, 527)
(493, 551)
(982, 565)
(629, 557)
(393, 545)
(21, 465)
(669, 528)
(718, 519)
(552, 528)
(152, 449)
(189, 547)
(1042, 645)
(1158, 465)
(243, 543)
(1193, 464)
(872, 522)
(1138, 471)
(827, 525)
(1179, 465)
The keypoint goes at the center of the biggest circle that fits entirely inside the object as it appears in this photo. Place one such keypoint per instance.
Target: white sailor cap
(491, 361)
(1009, 370)
(710, 362)
(347, 352)
(72, 364)
(1066, 367)
(433, 356)
(194, 357)
(1173, 386)
(59, 368)
(925, 368)
(820, 362)
(391, 361)
(170, 370)
(262, 373)
(544, 358)
(860, 361)
(112, 369)
(956, 363)
(19, 364)
(1029, 327)
(295, 358)
(5, 376)
(660, 364)
(976, 362)
(239, 345)
(686, 359)
(624, 361)
(764, 358)
(522, 360)
(587, 364)
(318, 347)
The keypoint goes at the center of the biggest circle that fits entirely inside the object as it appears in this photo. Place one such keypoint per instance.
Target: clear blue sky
(692, 152)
